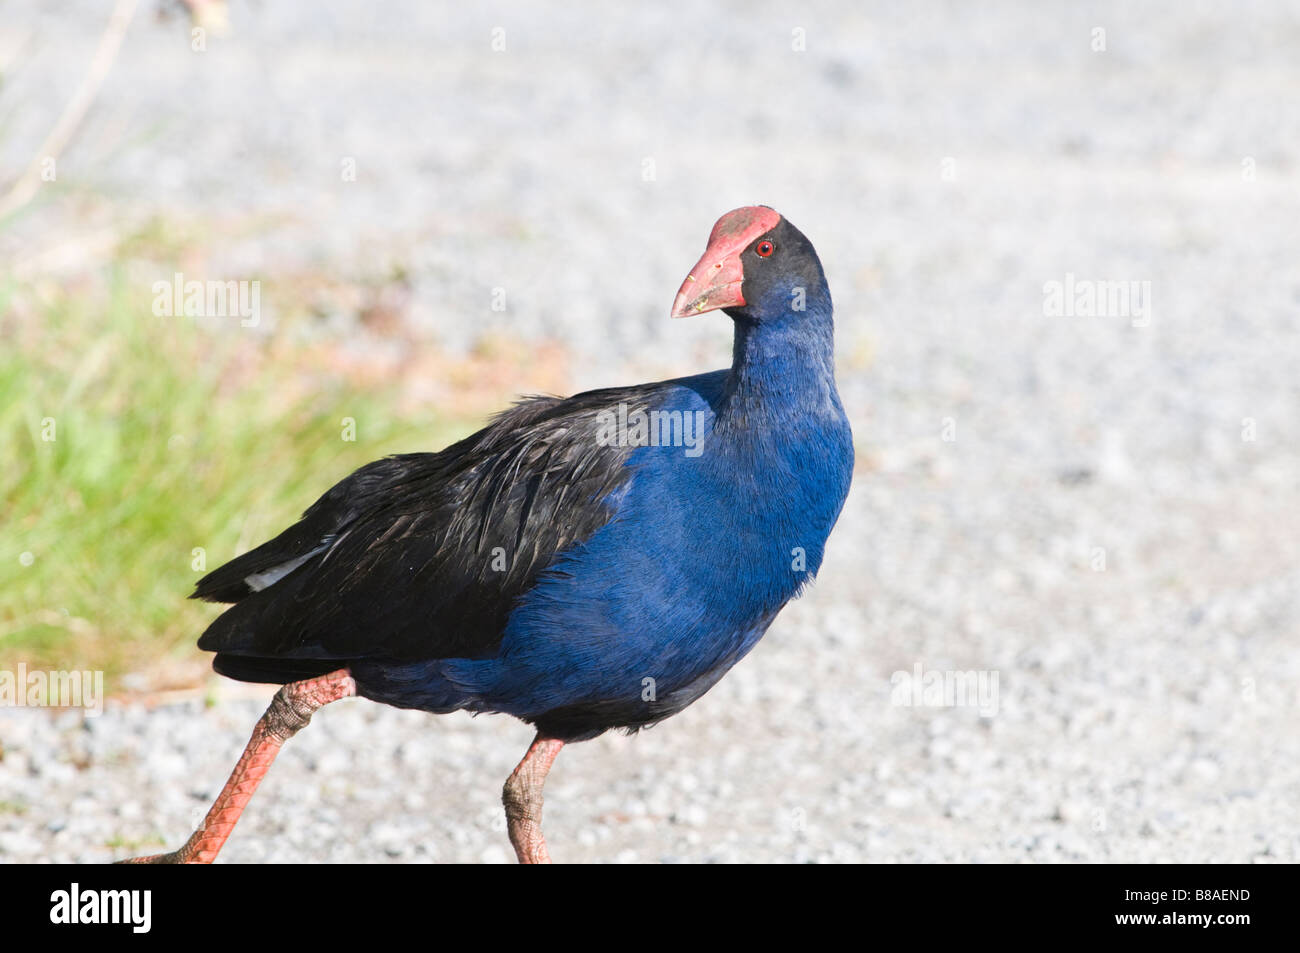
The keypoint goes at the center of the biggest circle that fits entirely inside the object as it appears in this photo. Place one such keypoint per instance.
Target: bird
(583, 564)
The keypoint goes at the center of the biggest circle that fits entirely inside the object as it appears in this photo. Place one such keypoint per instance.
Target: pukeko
(583, 564)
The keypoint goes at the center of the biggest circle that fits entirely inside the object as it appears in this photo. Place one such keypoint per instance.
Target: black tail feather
(275, 671)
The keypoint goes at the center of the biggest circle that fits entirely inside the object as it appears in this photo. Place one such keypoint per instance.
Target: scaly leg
(522, 797)
(290, 711)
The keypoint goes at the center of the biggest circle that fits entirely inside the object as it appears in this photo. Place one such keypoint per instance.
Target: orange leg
(290, 711)
(522, 797)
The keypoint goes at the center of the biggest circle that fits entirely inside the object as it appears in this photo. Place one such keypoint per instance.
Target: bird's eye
(764, 248)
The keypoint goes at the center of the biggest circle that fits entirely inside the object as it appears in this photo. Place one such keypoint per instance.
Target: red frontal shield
(715, 281)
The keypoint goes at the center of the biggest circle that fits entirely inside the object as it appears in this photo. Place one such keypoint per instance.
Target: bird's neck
(783, 368)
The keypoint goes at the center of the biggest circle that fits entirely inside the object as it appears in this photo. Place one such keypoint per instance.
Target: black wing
(422, 555)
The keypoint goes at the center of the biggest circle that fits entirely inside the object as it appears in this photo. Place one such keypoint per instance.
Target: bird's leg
(290, 710)
(522, 797)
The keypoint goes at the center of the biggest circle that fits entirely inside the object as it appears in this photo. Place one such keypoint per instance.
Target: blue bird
(583, 564)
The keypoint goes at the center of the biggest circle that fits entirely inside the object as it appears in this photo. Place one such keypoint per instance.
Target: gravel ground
(1099, 511)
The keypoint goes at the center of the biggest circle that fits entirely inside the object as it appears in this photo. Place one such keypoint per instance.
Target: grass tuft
(142, 451)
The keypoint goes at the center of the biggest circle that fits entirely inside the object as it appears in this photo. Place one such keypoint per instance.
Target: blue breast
(704, 549)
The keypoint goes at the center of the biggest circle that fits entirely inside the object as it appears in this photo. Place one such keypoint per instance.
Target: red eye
(764, 248)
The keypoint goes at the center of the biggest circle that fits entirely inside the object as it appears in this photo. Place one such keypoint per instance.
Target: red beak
(716, 280)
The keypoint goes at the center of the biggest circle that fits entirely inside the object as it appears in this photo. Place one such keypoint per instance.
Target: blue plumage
(699, 555)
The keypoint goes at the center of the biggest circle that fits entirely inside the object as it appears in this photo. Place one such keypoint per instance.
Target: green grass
(130, 441)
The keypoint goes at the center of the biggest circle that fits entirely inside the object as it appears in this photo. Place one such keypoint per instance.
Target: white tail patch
(259, 581)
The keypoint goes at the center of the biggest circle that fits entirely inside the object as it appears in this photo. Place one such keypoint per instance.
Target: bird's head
(757, 267)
